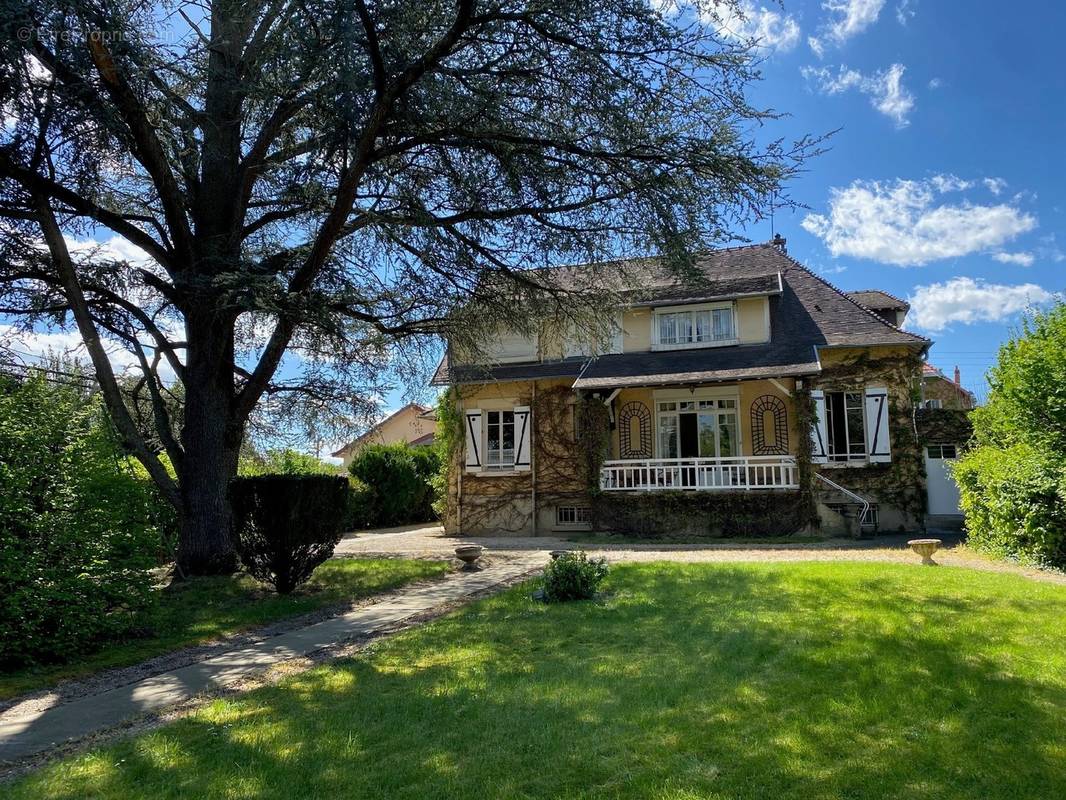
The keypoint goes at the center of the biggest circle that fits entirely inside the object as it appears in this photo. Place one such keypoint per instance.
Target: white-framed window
(499, 440)
(694, 326)
(698, 428)
(845, 426)
(572, 515)
(936, 451)
(934, 403)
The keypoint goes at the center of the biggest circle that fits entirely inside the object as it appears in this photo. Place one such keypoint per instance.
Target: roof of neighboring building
(806, 312)
(878, 300)
(423, 441)
(934, 373)
(420, 409)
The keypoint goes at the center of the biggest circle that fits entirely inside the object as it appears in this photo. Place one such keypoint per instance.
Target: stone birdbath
(925, 548)
(469, 554)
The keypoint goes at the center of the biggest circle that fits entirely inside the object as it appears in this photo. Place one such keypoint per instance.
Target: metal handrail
(849, 493)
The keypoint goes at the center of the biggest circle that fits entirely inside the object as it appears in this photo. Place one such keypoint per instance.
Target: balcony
(739, 473)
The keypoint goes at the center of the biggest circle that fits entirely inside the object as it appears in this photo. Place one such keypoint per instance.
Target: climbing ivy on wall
(901, 482)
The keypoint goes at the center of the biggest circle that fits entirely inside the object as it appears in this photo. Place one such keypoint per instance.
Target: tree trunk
(211, 439)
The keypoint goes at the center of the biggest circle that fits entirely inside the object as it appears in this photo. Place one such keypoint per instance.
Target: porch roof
(745, 362)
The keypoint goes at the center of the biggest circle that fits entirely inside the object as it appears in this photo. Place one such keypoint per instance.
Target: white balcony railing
(722, 474)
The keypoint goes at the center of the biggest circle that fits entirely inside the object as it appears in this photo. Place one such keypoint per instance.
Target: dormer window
(694, 326)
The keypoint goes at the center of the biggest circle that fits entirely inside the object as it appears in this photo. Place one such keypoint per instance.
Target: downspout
(533, 460)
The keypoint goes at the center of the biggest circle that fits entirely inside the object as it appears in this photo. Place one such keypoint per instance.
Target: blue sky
(944, 183)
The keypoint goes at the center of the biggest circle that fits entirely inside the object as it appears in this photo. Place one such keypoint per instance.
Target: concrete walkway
(23, 734)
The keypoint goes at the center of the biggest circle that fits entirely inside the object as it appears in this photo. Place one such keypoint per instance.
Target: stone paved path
(25, 733)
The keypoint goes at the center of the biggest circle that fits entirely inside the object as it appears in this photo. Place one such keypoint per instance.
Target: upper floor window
(699, 325)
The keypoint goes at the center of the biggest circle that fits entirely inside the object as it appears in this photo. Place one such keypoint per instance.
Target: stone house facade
(758, 399)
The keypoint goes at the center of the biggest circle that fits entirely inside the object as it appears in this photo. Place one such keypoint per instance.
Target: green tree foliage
(322, 185)
(285, 461)
(1013, 481)
(398, 482)
(79, 527)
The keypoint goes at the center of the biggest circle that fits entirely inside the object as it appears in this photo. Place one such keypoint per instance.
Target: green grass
(805, 680)
(199, 610)
(624, 539)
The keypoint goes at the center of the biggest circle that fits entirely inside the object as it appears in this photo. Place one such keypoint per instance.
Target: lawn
(203, 609)
(806, 680)
(597, 539)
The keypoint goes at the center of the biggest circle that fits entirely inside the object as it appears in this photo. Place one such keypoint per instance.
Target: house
(415, 424)
(758, 399)
(938, 391)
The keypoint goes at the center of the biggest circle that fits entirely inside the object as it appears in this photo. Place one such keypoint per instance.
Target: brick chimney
(958, 377)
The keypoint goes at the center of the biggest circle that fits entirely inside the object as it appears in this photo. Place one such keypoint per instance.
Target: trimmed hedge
(1015, 503)
(712, 514)
(286, 525)
(79, 531)
(394, 483)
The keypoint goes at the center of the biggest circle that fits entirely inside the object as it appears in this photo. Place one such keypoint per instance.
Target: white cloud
(935, 83)
(847, 18)
(116, 249)
(885, 88)
(1022, 259)
(995, 185)
(767, 27)
(904, 223)
(39, 346)
(904, 12)
(966, 300)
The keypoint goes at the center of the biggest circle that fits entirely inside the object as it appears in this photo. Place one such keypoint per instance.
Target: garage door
(943, 491)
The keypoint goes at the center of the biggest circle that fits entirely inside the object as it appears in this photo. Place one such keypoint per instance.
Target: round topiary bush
(286, 525)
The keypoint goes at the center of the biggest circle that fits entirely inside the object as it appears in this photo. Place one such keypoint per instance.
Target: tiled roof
(878, 300)
(808, 313)
(698, 365)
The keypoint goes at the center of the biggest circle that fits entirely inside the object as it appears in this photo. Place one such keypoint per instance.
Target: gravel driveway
(430, 542)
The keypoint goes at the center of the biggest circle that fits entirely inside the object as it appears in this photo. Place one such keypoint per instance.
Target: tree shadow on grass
(813, 681)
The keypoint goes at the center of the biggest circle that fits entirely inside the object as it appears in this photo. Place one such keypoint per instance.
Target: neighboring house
(738, 393)
(415, 424)
(938, 391)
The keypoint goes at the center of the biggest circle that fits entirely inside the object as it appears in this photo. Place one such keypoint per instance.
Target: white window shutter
(472, 419)
(819, 455)
(878, 448)
(522, 425)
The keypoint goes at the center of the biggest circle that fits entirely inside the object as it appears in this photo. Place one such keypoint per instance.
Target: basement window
(572, 516)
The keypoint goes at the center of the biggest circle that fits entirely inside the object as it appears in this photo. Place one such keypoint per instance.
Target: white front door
(943, 491)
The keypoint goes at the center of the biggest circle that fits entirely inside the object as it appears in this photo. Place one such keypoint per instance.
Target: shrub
(397, 477)
(360, 511)
(1012, 483)
(79, 530)
(286, 525)
(573, 576)
(1015, 503)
